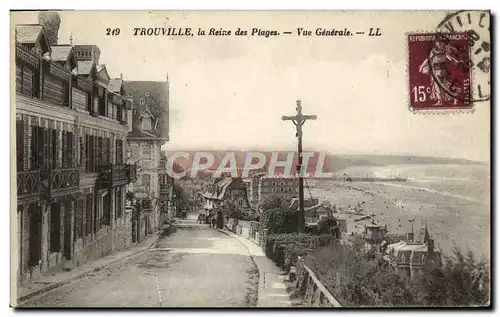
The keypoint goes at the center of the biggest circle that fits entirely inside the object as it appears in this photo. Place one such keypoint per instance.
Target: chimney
(51, 22)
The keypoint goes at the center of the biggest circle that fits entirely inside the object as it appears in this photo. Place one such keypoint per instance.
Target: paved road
(194, 266)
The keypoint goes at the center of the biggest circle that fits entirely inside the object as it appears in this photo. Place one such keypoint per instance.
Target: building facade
(148, 132)
(285, 187)
(70, 135)
(409, 257)
(231, 190)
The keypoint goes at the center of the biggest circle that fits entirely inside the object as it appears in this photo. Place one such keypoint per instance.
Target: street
(194, 266)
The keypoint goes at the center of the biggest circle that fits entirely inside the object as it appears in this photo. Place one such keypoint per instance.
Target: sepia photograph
(250, 159)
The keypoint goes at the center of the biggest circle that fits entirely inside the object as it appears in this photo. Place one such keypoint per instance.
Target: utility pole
(298, 120)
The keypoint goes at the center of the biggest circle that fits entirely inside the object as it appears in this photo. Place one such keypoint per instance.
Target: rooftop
(28, 33)
(85, 67)
(60, 53)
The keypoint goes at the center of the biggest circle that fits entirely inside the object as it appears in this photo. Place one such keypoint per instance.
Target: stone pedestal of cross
(298, 120)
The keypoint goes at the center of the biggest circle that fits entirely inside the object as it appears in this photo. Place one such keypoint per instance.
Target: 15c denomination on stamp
(439, 71)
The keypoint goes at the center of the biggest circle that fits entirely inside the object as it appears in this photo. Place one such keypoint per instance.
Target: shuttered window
(38, 137)
(119, 152)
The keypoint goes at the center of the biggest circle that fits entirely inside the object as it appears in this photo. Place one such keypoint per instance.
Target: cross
(298, 120)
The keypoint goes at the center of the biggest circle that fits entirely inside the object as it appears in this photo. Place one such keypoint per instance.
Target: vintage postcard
(250, 159)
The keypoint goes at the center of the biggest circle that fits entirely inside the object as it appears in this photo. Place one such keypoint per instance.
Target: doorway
(55, 227)
(35, 234)
(67, 226)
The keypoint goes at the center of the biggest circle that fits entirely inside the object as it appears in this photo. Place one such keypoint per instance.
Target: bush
(284, 249)
(357, 281)
(279, 220)
(329, 225)
(275, 202)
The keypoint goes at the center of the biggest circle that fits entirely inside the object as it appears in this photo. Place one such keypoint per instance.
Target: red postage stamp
(439, 71)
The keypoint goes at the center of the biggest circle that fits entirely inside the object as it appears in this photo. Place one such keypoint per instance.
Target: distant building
(148, 131)
(228, 189)
(374, 235)
(410, 257)
(285, 187)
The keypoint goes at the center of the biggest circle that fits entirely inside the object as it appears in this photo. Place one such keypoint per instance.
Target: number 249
(110, 31)
(419, 93)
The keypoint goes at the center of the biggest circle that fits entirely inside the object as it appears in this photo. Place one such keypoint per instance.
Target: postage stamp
(439, 71)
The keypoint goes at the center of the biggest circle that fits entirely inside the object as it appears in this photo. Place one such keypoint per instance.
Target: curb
(26, 297)
(261, 283)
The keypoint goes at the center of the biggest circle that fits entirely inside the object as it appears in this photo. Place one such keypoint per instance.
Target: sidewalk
(272, 289)
(49, 282)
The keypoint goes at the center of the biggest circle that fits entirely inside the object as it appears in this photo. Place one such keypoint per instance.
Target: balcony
(28, 187)
(132, 173)
(113, 175)
(60, 182)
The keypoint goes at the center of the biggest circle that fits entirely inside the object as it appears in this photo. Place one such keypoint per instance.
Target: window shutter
(20, 145)
(71, 149)
(45, 145)
(64, 150)
(95, 153)
(86, 159)
(33, 147)
(55, 149)
(81, 151)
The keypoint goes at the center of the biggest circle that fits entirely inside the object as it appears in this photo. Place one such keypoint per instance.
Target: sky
(230, 92)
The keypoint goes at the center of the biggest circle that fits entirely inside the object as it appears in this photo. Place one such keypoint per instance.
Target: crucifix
(298, 120)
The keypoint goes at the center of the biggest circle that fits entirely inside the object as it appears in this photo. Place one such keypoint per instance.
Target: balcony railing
(60, 182)
(132, 173)
(28, 186)
(113, 175)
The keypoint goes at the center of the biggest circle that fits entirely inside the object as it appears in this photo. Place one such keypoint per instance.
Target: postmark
(477, 25)
(439, 71)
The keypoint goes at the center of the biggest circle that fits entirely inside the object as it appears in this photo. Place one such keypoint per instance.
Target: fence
(315, 293)
(248, 229)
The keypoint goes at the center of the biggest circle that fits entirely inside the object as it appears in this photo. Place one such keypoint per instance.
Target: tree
(273, 202)
(461, 281)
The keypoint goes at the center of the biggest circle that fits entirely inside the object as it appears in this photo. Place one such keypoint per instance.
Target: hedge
(284, 249)
(279, 220)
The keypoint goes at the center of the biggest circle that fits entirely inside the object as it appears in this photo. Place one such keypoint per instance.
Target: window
(147, 94)
(146, 123)
(67, 149)
(146, 151)
(119, 152)
(143, 101)
(146, 179)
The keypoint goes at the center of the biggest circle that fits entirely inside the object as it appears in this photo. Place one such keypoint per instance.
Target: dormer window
(146, 123)
(143, 101)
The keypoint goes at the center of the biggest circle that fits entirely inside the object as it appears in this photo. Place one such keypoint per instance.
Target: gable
(103, 74)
